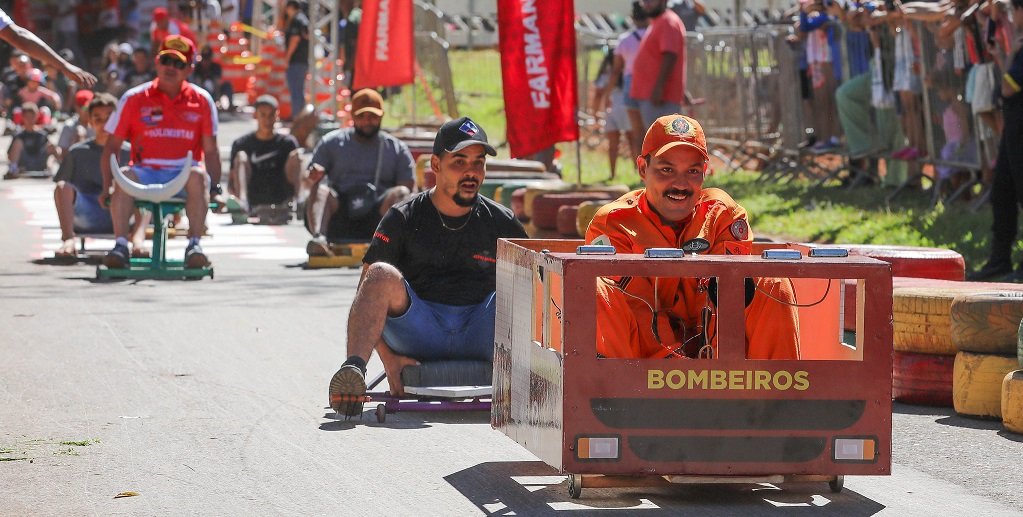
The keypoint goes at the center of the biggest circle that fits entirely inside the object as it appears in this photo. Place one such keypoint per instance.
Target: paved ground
(208, 397)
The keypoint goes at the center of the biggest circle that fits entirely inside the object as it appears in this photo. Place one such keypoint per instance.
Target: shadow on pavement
(403, 419)
(948, 416)
(534, 488)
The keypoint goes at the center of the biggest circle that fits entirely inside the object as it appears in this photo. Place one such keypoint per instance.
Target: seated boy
(79, 181)
(30, 149)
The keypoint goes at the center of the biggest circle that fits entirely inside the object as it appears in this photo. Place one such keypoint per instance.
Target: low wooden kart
(643, 422)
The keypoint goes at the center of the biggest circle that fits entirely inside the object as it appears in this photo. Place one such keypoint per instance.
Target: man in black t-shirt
(1007, 186)
(264, 168)
(428, 280)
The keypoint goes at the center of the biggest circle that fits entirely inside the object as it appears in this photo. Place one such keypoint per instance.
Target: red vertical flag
(385, 55)
(537, 42)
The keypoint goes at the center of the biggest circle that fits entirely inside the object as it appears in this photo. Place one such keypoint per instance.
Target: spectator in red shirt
(163, 25)
(659, 71)
(163, 120)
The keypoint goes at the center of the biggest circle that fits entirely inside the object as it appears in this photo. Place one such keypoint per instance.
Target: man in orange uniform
(675, 211)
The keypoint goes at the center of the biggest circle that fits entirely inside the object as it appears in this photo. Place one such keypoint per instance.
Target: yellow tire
(586, 212)
(986, 323)
(921, 321)
(1012, 401)
(977, 383)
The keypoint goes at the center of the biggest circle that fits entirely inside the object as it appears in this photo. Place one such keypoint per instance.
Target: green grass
(81, 443)
(797, 210)
(802, 212)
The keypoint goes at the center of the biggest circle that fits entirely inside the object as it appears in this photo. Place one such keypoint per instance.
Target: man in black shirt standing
(429, 278)
(1007, 187)
(264, 169)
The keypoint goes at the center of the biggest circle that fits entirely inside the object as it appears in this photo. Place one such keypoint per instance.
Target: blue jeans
(430, 331)
(296, 85)
(651, 112)
(90, 216)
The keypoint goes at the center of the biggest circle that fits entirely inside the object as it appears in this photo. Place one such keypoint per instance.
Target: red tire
(518, 204)
(923, 379)
(545, 206)
(913, 261)
(567, 215)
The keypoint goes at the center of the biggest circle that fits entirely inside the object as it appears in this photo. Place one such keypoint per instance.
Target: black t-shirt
(81, 166)
(1013, 105)
(453, 267)
(269, 184)
(299, 26)
(33, 152)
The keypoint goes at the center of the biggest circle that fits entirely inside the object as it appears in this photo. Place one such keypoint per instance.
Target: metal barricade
(751, 111)
(952, 131)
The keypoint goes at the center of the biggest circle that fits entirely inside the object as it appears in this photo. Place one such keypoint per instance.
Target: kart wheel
(381, 413)
(836, 484)
(575, 488)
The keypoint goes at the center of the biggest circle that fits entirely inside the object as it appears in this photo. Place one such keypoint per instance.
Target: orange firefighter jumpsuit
(625, 306)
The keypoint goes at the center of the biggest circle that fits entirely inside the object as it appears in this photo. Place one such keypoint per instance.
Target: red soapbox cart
(646, 422)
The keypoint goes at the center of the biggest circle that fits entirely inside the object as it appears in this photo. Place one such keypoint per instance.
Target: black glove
(712, 290)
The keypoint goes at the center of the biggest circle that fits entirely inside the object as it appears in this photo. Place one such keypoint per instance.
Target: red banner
(385, 55)
(537, 42)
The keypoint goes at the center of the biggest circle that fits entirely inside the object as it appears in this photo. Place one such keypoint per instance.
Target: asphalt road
(209, 397)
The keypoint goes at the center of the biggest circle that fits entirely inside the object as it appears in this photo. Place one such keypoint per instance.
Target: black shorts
(342, 228)
(805, 86)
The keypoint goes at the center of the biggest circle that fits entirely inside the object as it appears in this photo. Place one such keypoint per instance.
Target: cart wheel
(837, 484)
(575, 486)
(381, 413)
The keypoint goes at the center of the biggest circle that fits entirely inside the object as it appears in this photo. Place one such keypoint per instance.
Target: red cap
(179, 47)
(82, 97)
(672, 131)
(36, 75)
(160, 13)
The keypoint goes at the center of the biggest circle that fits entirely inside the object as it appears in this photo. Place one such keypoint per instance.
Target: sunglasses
(173, 61)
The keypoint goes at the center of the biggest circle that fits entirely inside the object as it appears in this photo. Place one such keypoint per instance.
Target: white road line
(247, 241)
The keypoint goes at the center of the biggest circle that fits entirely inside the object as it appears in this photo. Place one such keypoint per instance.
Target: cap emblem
(679, 127)
(469, 127)
(176, 44)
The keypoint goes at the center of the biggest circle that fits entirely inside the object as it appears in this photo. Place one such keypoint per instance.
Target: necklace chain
(445, 225)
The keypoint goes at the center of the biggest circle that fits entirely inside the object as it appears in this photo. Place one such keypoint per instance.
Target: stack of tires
(906, 262)
(924, 357)
(987, 382)
(555, 210)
